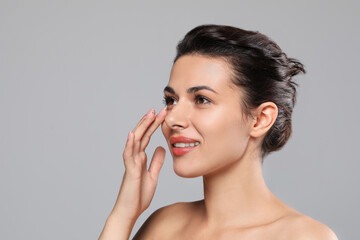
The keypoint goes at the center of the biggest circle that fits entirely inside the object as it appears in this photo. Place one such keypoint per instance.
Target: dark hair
(259, 67)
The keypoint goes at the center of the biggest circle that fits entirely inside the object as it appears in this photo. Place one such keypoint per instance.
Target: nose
(177, 116)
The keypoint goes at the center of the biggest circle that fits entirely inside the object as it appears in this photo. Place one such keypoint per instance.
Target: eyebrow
(190, 90)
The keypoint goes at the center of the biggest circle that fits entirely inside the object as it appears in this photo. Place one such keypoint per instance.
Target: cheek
(225, 138)
(165, 130)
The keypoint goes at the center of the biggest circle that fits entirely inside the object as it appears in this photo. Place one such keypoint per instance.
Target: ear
(264, 117)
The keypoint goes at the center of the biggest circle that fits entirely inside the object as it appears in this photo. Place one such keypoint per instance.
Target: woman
(229, 102)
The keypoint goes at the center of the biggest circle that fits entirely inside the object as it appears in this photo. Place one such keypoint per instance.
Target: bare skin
(139, 183)
(186, 221)
(237, 203)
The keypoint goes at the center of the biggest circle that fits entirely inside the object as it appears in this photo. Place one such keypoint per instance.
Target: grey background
(76, 76)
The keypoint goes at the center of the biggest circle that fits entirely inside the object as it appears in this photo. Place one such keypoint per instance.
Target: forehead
(192, 70)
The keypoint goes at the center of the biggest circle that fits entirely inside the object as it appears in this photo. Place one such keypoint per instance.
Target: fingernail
(129, 135)
(150, 112)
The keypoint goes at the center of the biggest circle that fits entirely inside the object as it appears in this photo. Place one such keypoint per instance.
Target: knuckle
(142, 155)
(126, 155)
(144, 145)
(146, 140)
(127, 151)
(136, 138)
(147, 136)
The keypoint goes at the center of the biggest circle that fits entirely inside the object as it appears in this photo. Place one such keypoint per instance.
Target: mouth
(182, 145)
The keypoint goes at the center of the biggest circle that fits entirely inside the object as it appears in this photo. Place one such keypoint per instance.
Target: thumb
(157, 162)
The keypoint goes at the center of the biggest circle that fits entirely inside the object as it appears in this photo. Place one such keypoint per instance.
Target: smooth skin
(139, 183)
(237, 203)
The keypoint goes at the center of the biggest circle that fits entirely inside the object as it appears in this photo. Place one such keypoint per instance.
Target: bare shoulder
(165, 221)
(301, 227)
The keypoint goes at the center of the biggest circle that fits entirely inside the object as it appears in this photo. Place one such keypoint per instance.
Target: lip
(182, 139)
(183, 150)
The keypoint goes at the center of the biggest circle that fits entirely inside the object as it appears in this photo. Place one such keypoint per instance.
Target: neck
(238, 195)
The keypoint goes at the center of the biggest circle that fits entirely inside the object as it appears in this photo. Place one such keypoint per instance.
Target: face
(204, 127)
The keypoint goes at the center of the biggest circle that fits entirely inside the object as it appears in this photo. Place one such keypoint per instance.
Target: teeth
(181, 145)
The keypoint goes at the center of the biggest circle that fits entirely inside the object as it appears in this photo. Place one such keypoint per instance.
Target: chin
(186, 171)
(186, 174)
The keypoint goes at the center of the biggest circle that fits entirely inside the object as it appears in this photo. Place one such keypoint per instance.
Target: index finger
(146, 116)
(149, 132)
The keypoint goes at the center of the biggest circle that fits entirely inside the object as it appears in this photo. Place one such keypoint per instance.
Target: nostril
(171, 122)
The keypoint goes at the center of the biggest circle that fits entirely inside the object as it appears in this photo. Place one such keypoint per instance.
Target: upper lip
(182, 139)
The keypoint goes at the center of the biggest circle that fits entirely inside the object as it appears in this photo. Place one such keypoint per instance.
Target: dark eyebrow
(169, 89)
(190, 90)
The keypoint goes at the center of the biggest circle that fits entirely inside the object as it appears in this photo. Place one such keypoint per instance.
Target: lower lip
(182, 151)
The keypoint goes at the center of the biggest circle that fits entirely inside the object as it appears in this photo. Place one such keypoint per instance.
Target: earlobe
(264, 117)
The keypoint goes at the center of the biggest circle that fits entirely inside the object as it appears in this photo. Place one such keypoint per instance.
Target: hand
(139, 184)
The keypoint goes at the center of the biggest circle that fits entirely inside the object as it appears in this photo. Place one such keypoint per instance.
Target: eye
(201, 100)
(168, 101)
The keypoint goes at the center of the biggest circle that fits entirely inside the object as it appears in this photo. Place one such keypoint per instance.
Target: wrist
(117, 227)
(121, 211)
(122, 218)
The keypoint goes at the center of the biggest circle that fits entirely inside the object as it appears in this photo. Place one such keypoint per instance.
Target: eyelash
(167, 99)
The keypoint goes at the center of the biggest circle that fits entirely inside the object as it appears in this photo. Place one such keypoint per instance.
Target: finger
(139, 132)
(157, 162)
(147, 115)
(149, 132)
(129, 148)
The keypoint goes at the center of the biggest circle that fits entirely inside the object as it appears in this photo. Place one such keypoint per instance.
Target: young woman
(229, 102)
